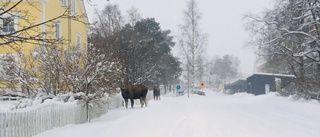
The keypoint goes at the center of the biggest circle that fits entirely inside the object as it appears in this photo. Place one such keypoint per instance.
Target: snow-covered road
(213, 115)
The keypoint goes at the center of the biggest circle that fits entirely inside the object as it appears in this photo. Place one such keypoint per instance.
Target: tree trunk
(87, 110)
(165, 89)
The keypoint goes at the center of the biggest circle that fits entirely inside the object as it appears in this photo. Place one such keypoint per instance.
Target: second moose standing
(156, 93)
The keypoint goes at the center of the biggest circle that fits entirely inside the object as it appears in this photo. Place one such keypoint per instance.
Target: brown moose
(156, 93)
(132, 92)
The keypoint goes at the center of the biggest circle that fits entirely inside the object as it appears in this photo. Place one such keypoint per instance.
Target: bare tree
(289, 34)
(16, 76)
(226, 68)
(192, 41)
(90, 76)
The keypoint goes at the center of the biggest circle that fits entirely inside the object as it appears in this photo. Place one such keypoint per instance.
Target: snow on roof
(272, 74)
(237, 80)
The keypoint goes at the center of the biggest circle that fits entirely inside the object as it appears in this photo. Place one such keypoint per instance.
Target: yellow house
(26, 24)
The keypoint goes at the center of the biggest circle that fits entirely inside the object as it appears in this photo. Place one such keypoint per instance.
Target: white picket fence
(34, 120)
(22, 123)
(31, 121)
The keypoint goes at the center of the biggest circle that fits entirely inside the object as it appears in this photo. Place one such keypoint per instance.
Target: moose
(156, 93)
(132, 92)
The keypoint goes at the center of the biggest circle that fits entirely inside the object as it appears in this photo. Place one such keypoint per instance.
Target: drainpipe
(43, 18)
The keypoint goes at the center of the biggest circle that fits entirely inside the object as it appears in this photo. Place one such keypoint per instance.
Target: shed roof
(272, 74)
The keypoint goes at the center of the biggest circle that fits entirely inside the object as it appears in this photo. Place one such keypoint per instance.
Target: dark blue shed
(237, 86)
(263, 83)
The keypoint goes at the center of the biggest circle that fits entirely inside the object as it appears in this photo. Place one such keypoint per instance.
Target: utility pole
(188, 75)
(69, 22)
(188, 69)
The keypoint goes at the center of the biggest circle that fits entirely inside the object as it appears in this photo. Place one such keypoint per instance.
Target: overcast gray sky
(221, 19)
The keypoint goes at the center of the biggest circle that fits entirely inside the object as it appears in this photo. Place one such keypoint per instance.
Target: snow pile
(97, 106)
(8, 105)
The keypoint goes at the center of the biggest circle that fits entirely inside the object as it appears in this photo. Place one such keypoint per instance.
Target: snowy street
(213, 115)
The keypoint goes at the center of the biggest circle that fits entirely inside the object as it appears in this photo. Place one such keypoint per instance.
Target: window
(73, 7)
(78, 40)
(7, 64)
(8, 24)
(63, 3)
(57, 30)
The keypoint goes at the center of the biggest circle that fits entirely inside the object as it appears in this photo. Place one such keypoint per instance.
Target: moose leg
(141, 102)
(132, 103)
(145, 101)
(126, 102)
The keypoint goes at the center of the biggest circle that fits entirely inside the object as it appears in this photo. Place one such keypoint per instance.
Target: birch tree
(192, 40)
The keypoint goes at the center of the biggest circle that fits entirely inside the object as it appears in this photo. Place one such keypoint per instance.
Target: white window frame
(15, 22)
(57, 31)
(78, 40)
(3, 75)
(73, 7)
(64, 3)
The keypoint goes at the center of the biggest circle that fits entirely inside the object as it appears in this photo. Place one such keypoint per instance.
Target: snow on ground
(8, 105)
(213, 115)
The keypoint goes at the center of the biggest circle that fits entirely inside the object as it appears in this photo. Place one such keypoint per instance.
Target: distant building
(236, 87)
(263, 83)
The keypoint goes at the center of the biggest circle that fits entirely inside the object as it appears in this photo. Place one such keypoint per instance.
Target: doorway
(267, 88)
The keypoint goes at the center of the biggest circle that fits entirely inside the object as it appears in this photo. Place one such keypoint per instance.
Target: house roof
(236, 80)
(272, 74)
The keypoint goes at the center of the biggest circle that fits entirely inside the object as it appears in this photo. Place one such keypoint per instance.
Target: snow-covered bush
(66, 75)
(309, 89)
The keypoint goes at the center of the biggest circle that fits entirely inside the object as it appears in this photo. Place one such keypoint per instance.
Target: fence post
(24, 123)
(17, 125)
(53, 116)
(28, 121)
(34, 120)
(10, 125)
(41, 120)
(20, 133)
(46, 117)
(2, 124)
(49, 117)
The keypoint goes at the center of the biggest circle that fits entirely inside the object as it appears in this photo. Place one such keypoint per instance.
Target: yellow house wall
(76, 26)
(51, 9)
(32, 15)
